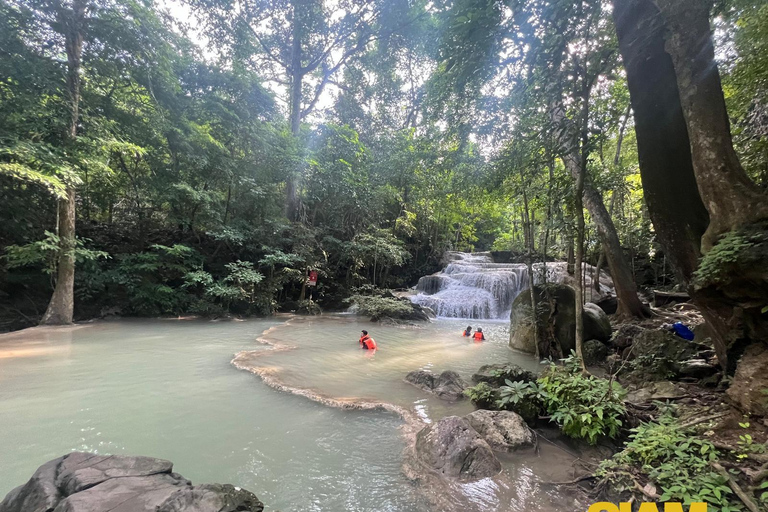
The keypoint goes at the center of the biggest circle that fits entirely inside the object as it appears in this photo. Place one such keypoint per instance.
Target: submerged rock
(596, 323)
(86, 482)
(502, 430)
(448, 385)
(496, 374)
(454, 449)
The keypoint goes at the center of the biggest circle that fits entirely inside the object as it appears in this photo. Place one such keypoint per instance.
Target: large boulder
(521, 336)
(597, 326)
(86, 482)
(448, 385)
(594, 352)
(453, 449)
(502, 430)
(660, 355)
(496, 374)
(609, 304)
(749, 388)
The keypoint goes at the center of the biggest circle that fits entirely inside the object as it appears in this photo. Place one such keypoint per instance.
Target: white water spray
(473, 286)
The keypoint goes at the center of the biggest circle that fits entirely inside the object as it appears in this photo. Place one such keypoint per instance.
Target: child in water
(468, 332)
(479, 336)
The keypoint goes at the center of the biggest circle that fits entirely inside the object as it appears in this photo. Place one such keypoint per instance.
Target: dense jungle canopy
(201, 156)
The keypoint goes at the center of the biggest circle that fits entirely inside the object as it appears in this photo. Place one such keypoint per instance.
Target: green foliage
(382, 307)
(153, 280)
(736, 250)
(482, 395)
(747, 445)
(585, 407)
(44, 253)
(515, 392)
(676, 460)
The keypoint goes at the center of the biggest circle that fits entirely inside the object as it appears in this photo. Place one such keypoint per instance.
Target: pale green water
(166, 388)
(328, 359)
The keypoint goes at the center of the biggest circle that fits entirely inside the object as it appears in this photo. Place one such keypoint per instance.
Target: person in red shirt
(478, 336)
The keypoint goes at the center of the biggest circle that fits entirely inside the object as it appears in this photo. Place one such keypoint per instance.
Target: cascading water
(473, 286)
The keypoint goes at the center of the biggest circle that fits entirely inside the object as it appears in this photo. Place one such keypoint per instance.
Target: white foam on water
(473, 286)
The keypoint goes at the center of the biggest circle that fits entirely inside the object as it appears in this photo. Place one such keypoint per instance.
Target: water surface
(167, 389)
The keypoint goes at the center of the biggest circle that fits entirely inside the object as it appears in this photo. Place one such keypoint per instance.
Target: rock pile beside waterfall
(473, 285)
(86, 482)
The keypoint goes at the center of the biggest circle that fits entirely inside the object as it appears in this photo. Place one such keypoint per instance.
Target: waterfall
(473, 286)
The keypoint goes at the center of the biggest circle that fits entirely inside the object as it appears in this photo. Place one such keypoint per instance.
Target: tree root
(572, 482)
(697, 421)
(743, 496)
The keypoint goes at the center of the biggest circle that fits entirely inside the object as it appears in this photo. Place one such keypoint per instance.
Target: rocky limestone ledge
(448, 385)
(86, 482)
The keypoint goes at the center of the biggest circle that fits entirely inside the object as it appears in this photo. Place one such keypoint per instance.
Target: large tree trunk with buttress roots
(675, 177)
(669, 184)
(730, 196)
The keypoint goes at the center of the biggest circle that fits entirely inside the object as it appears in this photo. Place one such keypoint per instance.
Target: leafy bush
(378, 307)
(585, 407)
(737, 249)
(524, 398)
(674, 459)
(153, 280)
(482, 395)
(45, 253)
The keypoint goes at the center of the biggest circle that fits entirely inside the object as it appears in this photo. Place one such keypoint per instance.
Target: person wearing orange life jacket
(478, 336)
(468, 332)
(366, 342)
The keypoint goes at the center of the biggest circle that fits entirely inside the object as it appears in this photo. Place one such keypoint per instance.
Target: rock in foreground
(454, 449)
(86, 482)
(448, 385)
(502, 430)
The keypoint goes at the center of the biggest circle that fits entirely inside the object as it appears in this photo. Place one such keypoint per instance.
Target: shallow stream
(167, 388)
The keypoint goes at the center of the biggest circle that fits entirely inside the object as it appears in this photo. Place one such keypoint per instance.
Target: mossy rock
(496, 374)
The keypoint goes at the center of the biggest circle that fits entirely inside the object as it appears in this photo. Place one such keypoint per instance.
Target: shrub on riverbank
(665, 459)
(584, 407)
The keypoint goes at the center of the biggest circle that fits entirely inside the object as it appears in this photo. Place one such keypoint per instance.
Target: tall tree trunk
(528, 227)
(61, 307)
(578, 194)
(730, 196)
(664, 152)
(292, 182)
(626, 291)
